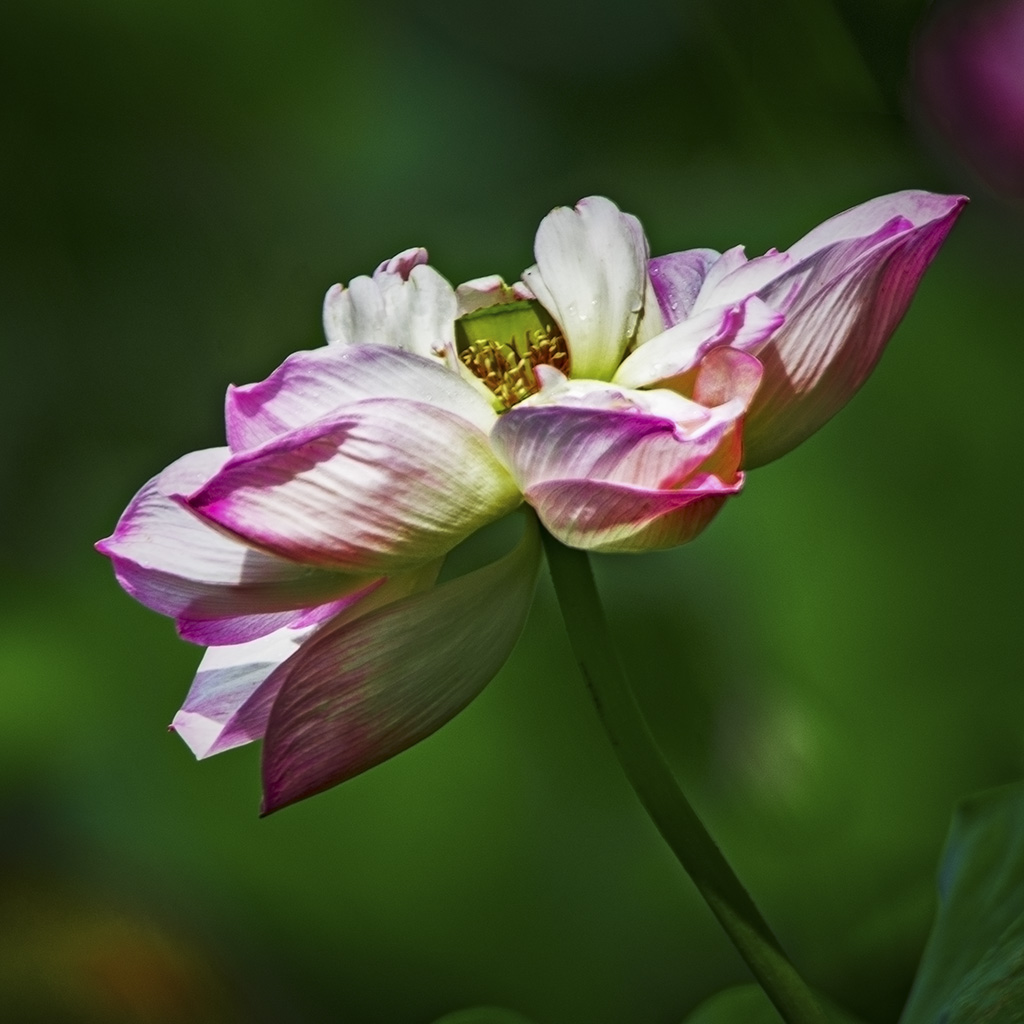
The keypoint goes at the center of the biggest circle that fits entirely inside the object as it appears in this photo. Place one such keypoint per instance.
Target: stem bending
(664, 801)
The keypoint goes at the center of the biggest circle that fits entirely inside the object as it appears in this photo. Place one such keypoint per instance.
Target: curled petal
(482, 292)
(361, 694)
(843, 300)
(219, 589)
(406, 305)
(623, 478)
(310, 385)
(379, 486)
(591, 275)
(403, 264)
(731, 279)
(229, 701)
(680, 349)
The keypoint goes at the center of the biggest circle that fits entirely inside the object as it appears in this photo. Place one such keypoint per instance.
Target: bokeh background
(830, 667)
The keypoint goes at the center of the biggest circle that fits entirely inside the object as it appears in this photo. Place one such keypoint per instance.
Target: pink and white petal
(229, 701)
(412, 308)
(617, 518)
(917, 207)
(810, 276)
(591, 276)
(381, 485)
(482, 292)
(174, 562)
(837, 327)
(361, 694)
(562, 443)
(680, 349)
(310, 385)
(677, 279)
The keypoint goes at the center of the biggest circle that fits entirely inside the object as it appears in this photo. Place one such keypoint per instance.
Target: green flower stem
(661, 796)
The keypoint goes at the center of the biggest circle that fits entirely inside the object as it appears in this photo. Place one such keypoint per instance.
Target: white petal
(406, 305)
(591, 276)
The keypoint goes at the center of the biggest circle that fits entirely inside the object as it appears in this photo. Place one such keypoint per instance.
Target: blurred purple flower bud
(968, 82)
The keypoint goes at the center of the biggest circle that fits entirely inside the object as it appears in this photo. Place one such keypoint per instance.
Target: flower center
(502, 344)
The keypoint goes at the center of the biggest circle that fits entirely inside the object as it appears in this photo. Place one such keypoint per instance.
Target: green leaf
(972, 970)
(747, 1004)
(484, 1015)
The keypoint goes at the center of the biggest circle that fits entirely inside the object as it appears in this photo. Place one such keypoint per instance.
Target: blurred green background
(830, 667)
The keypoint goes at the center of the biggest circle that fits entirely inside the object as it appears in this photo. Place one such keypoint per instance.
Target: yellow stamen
(507, 365)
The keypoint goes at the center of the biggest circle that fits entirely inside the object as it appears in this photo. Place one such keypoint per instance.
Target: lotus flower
(606, 389)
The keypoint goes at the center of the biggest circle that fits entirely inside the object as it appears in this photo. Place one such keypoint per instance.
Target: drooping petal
(229, 701)
(379, 486)
(361, 694)
(629, 471)
(843, 301)
(680, 349)
(218, 588)
(310, 385)
(406, 305)
(591, 276)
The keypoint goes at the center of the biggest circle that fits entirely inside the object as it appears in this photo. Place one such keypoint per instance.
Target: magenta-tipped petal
(382, 485)
(219, 589)
(843, 299)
